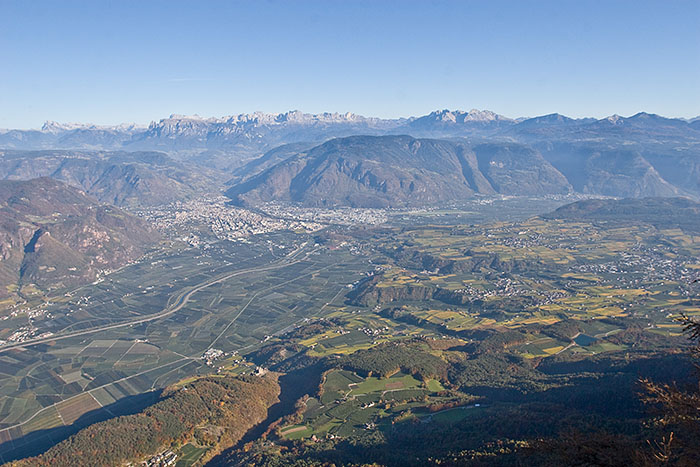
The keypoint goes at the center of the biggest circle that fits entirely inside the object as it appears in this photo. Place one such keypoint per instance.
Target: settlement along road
(179, 302)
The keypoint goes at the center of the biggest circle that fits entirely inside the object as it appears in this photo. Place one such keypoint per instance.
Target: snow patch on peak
(53, 127)
(262, 118)
(476, 115)
(458, 116)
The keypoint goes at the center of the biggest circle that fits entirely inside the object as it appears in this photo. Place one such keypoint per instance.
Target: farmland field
(411, 325)
(57, 381)
(189, 455)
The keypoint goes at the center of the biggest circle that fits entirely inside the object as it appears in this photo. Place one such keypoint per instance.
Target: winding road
(177, 305)
(181, 300)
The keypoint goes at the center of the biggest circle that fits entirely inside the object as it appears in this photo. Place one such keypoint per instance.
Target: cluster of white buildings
(337, 215)
(224, 221)
(164, 459)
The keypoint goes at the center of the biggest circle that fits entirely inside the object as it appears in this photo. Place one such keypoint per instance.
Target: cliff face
(54, 236)
(470, 262)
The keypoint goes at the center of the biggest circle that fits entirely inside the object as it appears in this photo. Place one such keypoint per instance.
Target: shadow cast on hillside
(40, 441)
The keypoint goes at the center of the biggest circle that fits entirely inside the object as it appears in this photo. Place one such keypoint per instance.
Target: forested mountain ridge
(664, 213)
(399, 171)
(212, 411)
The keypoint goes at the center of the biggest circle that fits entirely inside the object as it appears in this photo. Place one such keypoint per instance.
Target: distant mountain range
(54, 236)
(250, 134)
(237, 137)
(121, 178)
(347, 159)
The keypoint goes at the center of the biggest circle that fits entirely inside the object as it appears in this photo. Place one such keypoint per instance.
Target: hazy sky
(121, 61)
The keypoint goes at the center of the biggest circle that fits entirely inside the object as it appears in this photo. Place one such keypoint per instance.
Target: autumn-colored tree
(677, 411)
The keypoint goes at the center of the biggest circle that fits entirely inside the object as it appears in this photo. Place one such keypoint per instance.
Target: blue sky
(121, 61)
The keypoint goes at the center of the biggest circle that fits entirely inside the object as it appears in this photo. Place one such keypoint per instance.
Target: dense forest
(610, 417)
(216, 411)
(387, 359)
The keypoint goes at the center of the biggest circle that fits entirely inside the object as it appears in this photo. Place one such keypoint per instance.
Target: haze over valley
(322, 159)
(476, 244)
(134, 258)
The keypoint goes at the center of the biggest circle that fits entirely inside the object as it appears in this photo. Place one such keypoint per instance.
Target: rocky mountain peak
(615, 119)
(53, 127)
(459, 116)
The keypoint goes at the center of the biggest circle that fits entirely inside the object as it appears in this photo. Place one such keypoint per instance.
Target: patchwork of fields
(50, 385)
(492, 309)
(350, 404)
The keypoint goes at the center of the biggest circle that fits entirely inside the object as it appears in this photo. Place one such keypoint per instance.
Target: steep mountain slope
(625, 174)
(54, 236)
(120, 178)
(515, 169)
(640, 155)
(267, 160)
(679, 167)
(400, 171)
(598, 168)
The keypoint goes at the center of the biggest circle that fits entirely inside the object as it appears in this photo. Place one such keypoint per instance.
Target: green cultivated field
(349, 403)
(502, 313)
(189, 455)
(54, 383)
